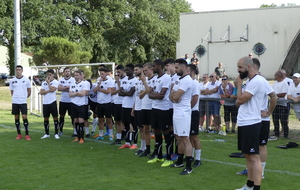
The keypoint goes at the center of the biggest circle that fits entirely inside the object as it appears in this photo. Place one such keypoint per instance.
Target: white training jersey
(203, 86)
(212, 85)
(146, 101)
(289, 81)
(77, 100)
(92, 94)
(281, 87)
(65, 83)
(161, 82)
(294, 91)
(50, 97)
(138, 88)
(88, 87)
(119, 99)
(183, 107)
(103, 98)
(114, 97)
(196, 91)
(19, 87)
(127, 84)
(249, 113)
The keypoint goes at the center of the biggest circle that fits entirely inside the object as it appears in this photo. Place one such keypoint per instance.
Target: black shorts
(195, 123)
(93, 106)
(170, 117)
(64, 107)
(78, 111)
(264, 133)
(138, 118)
(159, 120)
(146, 117)
(117, 112)
(126, 116)
(248, 138)
(202, 107)
(50, 109)
(17, 108)
(104, 110)
(86, 112)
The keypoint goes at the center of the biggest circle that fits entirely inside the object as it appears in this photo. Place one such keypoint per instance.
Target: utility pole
(17, 33)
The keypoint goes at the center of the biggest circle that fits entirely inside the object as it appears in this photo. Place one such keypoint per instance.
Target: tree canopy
(121, 31)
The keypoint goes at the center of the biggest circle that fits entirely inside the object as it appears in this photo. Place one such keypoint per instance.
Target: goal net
(36, 100)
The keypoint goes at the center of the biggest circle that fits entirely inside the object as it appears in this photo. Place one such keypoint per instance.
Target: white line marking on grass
(208, 160)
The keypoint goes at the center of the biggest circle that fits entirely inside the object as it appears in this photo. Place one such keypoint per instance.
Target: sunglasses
(211, 76)
(224, 79)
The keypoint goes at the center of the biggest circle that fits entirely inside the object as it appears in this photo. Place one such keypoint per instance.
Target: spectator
(203, 86)
(220, 71)
(293, 94)
(194, 59)
(186, 58)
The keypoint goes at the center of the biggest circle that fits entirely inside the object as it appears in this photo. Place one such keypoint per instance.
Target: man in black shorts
(20, 89)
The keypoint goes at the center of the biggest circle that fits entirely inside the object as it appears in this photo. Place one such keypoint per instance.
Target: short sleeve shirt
(19, 87)
(77, 100)
(161, 82)
(146, 101)
(212, 86)
(50, 97)
(103, 98)
(196, 91)
(65, 95)
(127, 84)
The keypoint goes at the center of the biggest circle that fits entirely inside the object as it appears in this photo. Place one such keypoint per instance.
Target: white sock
(87, 130)
(263, 164)
(144, 147)
(95, 122)
(75, 132)
(130, 136)
(142, 144)
(193, 152)
(198, 154)
(101, 133)
(111, 132)
(119, 135)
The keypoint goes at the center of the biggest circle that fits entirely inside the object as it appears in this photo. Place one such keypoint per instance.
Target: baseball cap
(296, 75)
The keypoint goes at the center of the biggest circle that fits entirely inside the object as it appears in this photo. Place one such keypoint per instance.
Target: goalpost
(36, 105)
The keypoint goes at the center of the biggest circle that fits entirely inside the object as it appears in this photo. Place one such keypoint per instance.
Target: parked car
(38, 79)
(8, 80)
(3, 75)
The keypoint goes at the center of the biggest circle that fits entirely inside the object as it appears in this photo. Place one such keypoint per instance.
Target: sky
(214, 5)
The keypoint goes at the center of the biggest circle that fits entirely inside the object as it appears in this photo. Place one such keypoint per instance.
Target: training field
(62, 164)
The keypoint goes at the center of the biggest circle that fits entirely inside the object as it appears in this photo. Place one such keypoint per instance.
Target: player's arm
(214, 90)
(52, 88)
(81, 93)
(272, 104)
(281, 95)
(160, 95)
(142, 94)
(28, 92)
(114, 91)
(127, 93)
(194, 100)
(63, 88)
(176, 95)
(11, 92)
(107, 91)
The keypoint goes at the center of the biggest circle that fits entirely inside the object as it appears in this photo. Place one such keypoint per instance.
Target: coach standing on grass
(249, 119)
(20, 89)
(181, 95)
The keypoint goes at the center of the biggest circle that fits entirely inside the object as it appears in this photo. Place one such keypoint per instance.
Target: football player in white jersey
(65, 101)
(161, 114)
(148, 80)
(127, 90)
(48, 90)
(193, 72)
(104, 107)
(20, 89)
(77, 92)
(117, 106)
(181, 96)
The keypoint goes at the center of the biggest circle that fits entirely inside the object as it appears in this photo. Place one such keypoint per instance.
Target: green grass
(61, 164)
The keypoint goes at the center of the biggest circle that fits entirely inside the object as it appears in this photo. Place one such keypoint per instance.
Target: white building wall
(274, 27)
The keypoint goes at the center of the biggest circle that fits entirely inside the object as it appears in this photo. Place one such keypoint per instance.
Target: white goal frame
(35, 89)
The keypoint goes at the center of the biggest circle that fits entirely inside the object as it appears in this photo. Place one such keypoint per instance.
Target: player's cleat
(245, 187)
(144, 154)
(111, 139)
(45, 136)
(167, 163)
(244, 172)
(139, 152)
(106, 134)
(174, 156)
(88, 136)
(154, 160)
(197, 163)
(75, 140)
(186, 171)
(133, 147)
(99, 138)
(27, 137)
(60, 133)
(152, 156)
(177, 165)
(95, 136)
(118, 141)
(81, 141)
(125, 146)
(19, 136)
(56, 136)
